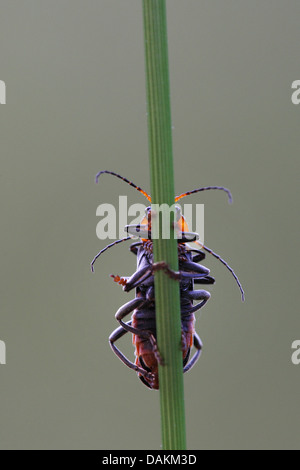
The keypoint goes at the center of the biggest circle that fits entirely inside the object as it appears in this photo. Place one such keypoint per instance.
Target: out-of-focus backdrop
(74, 72)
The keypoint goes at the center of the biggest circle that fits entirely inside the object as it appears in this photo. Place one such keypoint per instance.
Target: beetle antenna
(124, 179)
(228, 267)
(106, 248)
(205, 189)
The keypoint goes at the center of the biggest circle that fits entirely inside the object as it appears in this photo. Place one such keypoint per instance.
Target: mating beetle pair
(142, 324)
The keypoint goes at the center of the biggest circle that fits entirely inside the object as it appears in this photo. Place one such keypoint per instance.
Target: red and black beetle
(142, 324)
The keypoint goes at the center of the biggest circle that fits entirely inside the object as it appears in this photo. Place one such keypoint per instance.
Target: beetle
(142, 324)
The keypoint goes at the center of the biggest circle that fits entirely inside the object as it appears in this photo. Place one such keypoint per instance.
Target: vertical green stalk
(167, 299)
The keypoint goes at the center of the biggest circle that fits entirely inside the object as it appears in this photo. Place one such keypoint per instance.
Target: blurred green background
(76, 104)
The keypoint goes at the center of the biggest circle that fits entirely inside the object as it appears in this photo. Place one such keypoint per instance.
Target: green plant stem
(167, 298)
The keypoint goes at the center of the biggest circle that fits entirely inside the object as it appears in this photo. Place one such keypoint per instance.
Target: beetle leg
(185, 360)
(163, 266)
(194, 267)
(190, 270)
(128, 308)
(117, 334)
(138, 278)
(197, 295)
(199, 257)
(194, 359)
(125, 310)
(145, 273)
(134, 247)
(156, 352)
(205, 280)
(120, 280)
